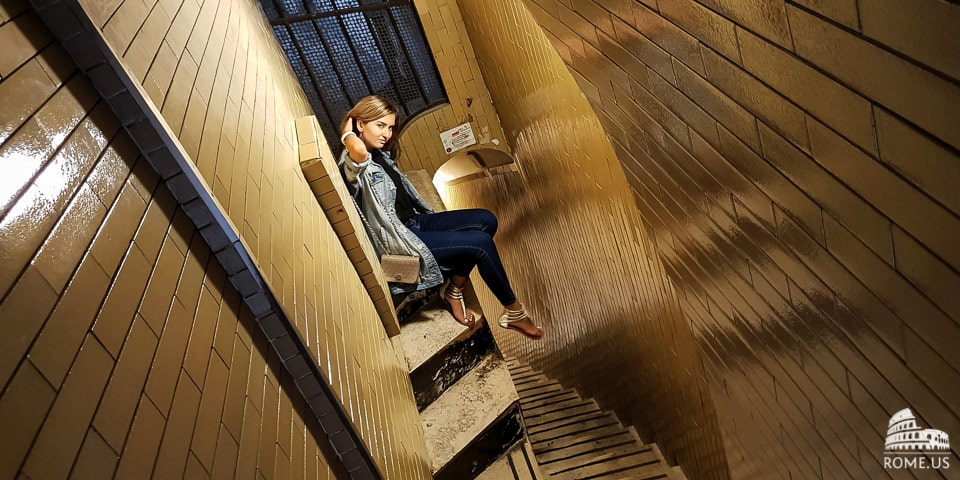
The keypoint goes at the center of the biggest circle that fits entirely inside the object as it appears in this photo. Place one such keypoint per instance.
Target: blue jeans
(461, 240)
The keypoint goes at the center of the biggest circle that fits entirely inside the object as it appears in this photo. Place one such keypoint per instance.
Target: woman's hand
(356, 149)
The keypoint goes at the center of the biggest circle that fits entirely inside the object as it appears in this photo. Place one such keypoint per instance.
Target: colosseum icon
(903, 435)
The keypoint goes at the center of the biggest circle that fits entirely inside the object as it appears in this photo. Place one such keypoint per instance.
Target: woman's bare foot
(453, 294)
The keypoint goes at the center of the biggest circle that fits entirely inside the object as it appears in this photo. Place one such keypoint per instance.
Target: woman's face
(376, 133)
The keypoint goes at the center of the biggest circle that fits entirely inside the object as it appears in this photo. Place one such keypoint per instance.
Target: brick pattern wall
(420, 145)
(126, 353)
(114, 304)
(575, 250)
(322, 173)
(796, 163)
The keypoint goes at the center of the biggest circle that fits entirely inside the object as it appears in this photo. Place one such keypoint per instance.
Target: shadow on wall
(577, 254)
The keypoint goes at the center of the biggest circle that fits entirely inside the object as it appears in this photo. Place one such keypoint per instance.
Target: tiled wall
(796, 164)
(420, 144)
(125, 350)
(573, 243)
(84, 238)
(321, 172)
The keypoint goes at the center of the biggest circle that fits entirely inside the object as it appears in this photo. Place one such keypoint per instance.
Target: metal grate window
(344, 50)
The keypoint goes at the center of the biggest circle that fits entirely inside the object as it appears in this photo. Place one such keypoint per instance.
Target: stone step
(528, 379)
(539, 388)
(551, 399)
(647, 472)
(561, 415)
(543, 439)
(540, 393)
(532, 389)
(439, 351)
(518, 464)
(632, 458)
(521, 372)
(531, 381)
(408, 304)
(576, 438)
(585, 447)
(564, 422)
(558, 403)
(473, 423)
(429, 331)
(438, 373)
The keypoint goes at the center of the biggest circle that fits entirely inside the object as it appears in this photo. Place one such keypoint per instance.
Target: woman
(400, 222)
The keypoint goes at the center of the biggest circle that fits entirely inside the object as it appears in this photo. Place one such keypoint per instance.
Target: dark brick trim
(84, 42)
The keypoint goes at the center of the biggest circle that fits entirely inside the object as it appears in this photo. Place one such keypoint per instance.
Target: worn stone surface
(427, 332)
(465, 410)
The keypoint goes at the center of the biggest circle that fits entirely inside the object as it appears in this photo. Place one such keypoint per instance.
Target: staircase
(468, 405)
(573, 438)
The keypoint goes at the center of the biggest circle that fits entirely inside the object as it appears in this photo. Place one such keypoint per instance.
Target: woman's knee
(480, 243)
(489, 221)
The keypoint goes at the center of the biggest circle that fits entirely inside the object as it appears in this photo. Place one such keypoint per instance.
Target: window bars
(344, 50)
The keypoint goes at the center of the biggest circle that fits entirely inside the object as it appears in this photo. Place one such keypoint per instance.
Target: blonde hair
(368, 109)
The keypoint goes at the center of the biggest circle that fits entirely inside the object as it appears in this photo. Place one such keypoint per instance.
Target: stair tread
(528, 380)
(646, 472)
(615, 462)
(561, 404)
(565, 422)
(509, 466)
(532, 461)
(499, 470)
(573, 439)
(537, 413)
(542, 392)
(429, 331)
(577, 438)
(569, 411)
(539, 389)
(532, 392)
(470, 405)
(575, 429)
(522, 467)
(522, 372)
(550, 399)
(586, 447)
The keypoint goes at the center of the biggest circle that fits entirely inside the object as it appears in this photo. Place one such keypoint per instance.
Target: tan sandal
(453, 293)
(510, 317)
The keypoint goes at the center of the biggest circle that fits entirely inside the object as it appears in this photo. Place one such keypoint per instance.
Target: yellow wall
(794, 168)
(420, 144)
(101, 297)
(579, 258)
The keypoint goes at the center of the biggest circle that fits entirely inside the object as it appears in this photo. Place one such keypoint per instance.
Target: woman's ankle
(458, 281)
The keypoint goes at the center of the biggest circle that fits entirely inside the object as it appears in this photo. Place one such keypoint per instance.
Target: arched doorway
(466, 166)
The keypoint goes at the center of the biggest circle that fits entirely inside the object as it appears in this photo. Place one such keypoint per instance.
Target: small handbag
(401, 268)
(396, 268)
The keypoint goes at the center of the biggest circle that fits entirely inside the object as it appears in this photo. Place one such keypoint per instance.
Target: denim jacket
(376, 195)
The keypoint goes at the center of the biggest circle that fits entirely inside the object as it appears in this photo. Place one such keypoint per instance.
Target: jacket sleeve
(352, 170)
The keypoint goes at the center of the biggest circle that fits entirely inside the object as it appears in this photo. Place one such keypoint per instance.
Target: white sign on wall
(458, 137)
